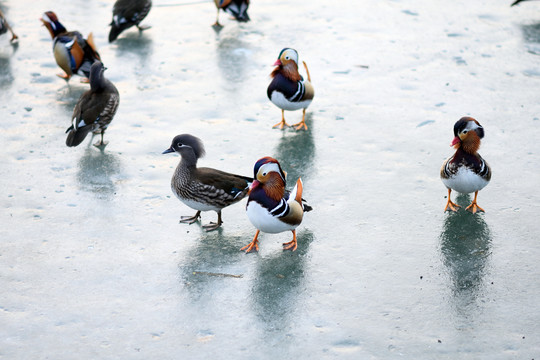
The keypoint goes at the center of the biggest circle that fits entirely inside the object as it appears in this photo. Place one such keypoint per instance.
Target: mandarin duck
(4, 27)
(288, 90)
(128, 13)
(72, 52)
(271, 208)
(95, 109)
(237, 8)
(203, 189)
(466, 171)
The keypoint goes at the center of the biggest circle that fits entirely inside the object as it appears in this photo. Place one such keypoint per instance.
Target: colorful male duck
(128, 13)
(237, 8)
(288, 90)
(270, 208)
(95, 109)
(72, 52)
(4, 27)
(466, 171)
(203, 189)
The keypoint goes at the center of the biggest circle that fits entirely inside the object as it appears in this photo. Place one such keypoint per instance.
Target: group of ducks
(270, 207)
(96, 108)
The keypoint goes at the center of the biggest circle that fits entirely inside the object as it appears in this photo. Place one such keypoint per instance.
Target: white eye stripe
(471, 125)
(268, 167)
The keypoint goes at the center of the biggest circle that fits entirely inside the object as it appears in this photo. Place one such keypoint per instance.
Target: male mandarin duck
(466, 171)
(203, 189)
(4, 27)
(128, 13)
(72, 52)
(237, 8)
(271, 208)
(288, 90)
(95, 109)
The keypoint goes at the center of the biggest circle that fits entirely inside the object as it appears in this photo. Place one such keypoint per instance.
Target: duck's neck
(471, 144)
(275, 188)
(290, 71)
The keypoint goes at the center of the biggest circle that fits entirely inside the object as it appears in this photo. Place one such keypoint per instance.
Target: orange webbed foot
(249, 247)
(300, 125)
(474, 208)
(451, 206)
(291, 245)
(254, 244)
(280, 124)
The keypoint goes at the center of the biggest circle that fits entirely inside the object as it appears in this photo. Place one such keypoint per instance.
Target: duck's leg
(253, 244)
(449, 204)
(301, 124)
(190, 219)
(217, 24)
(474, 206)
(13, 36)
(101, 143)
(212, 225)
(282, 123)
(291, 245)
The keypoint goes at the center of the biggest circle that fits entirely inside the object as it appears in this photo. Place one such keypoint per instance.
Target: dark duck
(203, 189)
(95, 109)
(466, 171)
(72, 52)
(128, 13)
(237, 8)
(288, 90)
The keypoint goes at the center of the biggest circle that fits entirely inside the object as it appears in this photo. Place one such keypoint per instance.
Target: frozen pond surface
(93, 262)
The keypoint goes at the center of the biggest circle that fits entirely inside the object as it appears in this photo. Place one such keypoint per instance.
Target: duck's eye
(287, 57)
(264, 174)
(179, 145)
(465, 131)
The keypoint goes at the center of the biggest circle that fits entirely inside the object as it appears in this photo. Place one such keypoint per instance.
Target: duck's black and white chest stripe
(287, 94)
(465, 173)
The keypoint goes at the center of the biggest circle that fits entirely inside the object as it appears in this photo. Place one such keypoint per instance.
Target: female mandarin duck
(95, 109)
(203, 189)
(237, 8)
(466, 171)
(288, 90)
(4, 27)
(72, 52)
(128, 13)
(270, 208)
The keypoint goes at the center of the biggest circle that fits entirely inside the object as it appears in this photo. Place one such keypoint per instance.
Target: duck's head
(287, 57)
(267, 170)
(287, 64)
(467, 134)
(50, 21)
(187, 145)
(96, 74)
